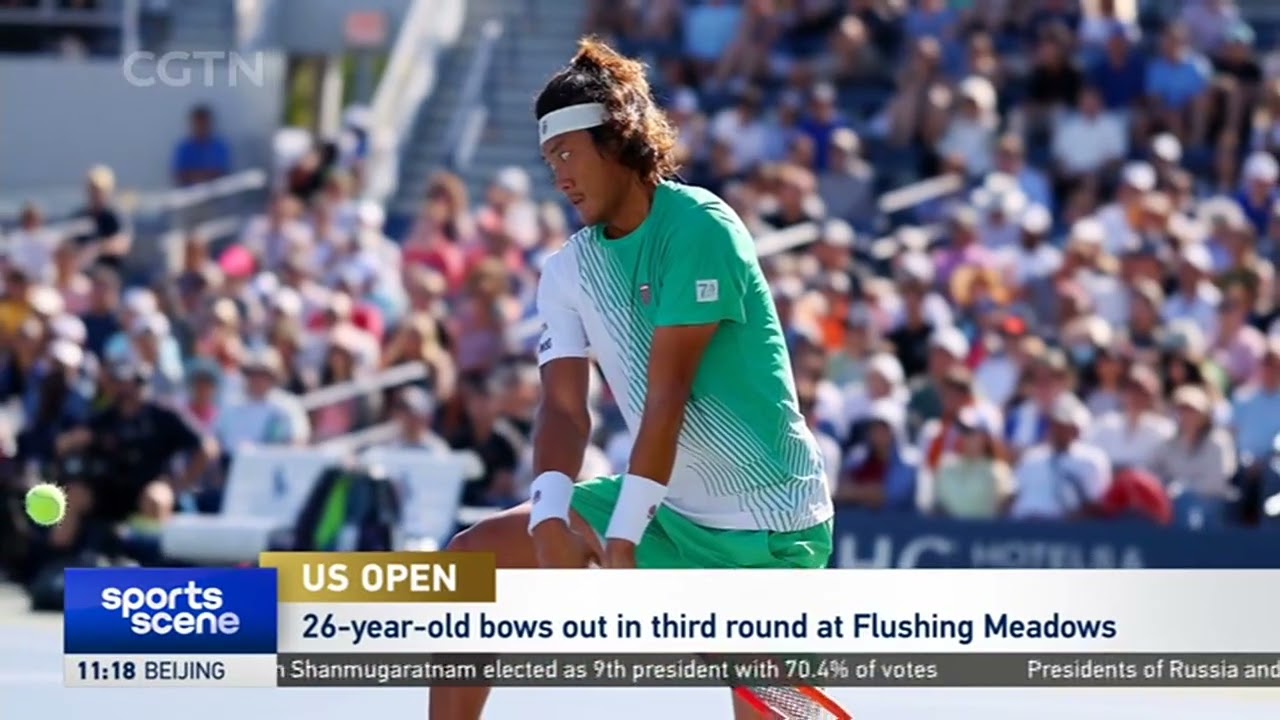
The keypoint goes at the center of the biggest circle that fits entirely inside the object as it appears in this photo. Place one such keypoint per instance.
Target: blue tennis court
(31, 687)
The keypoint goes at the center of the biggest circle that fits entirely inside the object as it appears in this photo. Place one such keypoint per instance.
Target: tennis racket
(786, 703)
(792, 703)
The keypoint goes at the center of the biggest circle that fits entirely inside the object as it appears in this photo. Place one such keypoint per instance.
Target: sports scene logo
(198, 610)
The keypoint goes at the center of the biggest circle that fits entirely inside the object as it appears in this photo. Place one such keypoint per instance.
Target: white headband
(569, 119)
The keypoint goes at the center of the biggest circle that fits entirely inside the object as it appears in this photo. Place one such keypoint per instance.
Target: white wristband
(549, 497)
(638, 502)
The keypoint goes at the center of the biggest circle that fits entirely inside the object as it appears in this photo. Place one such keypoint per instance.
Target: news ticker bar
(915, 670)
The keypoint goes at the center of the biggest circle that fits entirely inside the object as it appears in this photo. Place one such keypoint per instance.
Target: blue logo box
(165, 610)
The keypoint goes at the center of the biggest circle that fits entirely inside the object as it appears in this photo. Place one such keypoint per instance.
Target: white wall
(59, 117)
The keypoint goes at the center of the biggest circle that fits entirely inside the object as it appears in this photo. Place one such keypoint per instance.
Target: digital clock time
(106, 671)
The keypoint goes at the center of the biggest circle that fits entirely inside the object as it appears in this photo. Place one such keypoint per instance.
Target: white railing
(356, 441)
(471, 112)
(64, 200)
(389, 378)
(178, 198)
(428, 27)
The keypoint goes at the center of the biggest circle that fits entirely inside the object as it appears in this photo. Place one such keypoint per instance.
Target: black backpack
(350, 509)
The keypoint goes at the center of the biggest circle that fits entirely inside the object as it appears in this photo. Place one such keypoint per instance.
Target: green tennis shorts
(674, 542)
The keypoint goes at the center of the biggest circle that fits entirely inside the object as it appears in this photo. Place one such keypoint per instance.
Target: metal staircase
(538, 37)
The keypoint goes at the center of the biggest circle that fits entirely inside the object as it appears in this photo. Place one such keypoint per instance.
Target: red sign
(366, 29)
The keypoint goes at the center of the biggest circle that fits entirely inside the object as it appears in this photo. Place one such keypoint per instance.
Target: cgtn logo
(186, 610)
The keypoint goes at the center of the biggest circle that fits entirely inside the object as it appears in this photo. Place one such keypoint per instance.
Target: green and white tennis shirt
(746, 459)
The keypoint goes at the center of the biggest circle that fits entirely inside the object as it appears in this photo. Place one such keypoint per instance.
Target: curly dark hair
(637, 132)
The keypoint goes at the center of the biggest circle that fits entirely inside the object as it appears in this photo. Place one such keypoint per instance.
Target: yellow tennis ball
(46, 504)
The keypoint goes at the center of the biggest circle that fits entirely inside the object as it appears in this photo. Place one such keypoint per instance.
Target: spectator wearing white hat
(947, 349)
(149, 335)
(1200, 458)
(141, 310)
(914, 275)
(883, 382)
(1257, 195)
(835, 246)
(970, 135)
(1195, 298)
(1094, 272)
(413, 411)
(267, 415)
(1166, 158)
(1064, 477)
(1001, 205)
(847, 185)
(1032, 260)
(1119, 218)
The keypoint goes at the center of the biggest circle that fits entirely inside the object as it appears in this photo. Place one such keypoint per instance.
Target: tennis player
(663, 288)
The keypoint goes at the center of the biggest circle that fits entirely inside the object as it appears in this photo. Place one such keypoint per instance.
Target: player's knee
(505, 537)
(465, 541)
(485, 536)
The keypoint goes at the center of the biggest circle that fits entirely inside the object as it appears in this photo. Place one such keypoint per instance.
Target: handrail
(178, 198)
(405, 82)
(916, 193)
(173, 198)
(356, 441)
(389, 378)
(461, 137)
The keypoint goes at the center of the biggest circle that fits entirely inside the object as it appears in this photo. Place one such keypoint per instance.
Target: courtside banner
(137, 611)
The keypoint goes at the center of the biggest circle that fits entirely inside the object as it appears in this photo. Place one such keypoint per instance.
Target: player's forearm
(654, 453)
(559, 441)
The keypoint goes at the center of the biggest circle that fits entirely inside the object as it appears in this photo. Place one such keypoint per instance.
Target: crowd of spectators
(1095, 311)
(1096, 307)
